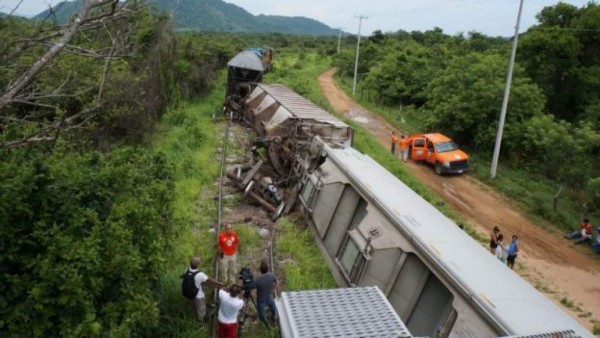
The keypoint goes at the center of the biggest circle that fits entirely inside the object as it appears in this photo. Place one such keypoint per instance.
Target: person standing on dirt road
(494, 239)
(394, 141)
(403, 143)
(513, 250)
(228, 244)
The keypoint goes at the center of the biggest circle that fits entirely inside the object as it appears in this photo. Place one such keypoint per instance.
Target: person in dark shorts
(513, 251)
(494, 239)
(264, 291)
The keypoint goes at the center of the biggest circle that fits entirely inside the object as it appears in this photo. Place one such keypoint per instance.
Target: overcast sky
(491, 17)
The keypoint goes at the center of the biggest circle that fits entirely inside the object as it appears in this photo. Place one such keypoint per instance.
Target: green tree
(402, 74)
(82, 237)
(465, 99)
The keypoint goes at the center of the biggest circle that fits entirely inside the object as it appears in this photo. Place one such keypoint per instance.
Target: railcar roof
(346, 312)
(298, 106)
(516, 305)
(248, 60)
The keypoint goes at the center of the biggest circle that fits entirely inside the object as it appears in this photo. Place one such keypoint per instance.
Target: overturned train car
(376, 231)
(285, 123)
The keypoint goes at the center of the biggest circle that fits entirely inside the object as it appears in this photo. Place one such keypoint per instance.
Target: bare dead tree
(53, 40)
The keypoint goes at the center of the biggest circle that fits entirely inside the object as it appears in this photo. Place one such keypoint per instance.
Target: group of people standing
(505, 253)
(402, 143)
(231, 298)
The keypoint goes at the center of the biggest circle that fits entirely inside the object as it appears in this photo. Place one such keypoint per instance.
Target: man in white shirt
(230, 307)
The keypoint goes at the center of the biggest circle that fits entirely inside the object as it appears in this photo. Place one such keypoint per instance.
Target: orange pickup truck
(440, 151)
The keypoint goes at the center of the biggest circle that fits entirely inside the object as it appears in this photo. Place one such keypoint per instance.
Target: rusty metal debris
(286, 124)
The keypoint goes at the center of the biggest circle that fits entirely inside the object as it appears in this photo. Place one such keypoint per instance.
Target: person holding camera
(230, 307)
(228, 244)
(264, 291)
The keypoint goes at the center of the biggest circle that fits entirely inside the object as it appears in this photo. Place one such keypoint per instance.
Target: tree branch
(82, 17)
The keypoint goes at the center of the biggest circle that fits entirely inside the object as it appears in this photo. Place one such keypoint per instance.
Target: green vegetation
(107, 165)
(454, 84)
(303, 264)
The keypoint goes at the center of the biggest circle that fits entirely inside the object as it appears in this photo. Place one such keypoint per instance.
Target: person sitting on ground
(264, 291)
(577, 234)
(586, 235)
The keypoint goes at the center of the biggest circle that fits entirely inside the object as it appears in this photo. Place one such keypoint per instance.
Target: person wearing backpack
(191, 287)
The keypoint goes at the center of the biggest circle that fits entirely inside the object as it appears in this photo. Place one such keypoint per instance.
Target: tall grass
(190, 140)
(302, 262)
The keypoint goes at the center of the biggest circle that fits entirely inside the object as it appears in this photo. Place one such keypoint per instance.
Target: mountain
(63, 11)
(214, 16)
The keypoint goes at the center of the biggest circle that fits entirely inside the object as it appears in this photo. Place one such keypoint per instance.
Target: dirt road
(548, 261)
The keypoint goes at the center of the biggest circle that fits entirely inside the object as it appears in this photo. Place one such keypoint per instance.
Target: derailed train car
(373, 230)
(376, 231)
(286, 124)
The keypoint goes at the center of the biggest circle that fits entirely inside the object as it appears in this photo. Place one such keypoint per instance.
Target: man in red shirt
(228, 244)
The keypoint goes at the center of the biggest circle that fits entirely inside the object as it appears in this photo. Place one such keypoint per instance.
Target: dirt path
(547, 261)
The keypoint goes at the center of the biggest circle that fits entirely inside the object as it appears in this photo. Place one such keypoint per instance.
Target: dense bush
(82, 237)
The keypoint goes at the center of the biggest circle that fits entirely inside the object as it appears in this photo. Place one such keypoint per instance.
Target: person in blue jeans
(264, 292)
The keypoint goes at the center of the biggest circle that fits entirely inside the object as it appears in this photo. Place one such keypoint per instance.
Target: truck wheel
(438, 169)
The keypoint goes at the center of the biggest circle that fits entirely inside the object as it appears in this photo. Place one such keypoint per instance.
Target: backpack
(188, 284)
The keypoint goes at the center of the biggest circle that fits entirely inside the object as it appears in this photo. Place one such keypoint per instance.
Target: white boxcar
(376, 231)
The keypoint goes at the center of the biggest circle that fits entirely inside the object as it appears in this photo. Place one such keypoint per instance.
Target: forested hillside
(211, 16)
(454, 84)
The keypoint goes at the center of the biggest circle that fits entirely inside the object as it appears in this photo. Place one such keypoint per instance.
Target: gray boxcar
(375, 231)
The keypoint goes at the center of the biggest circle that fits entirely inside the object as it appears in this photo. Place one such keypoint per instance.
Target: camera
(247, 279)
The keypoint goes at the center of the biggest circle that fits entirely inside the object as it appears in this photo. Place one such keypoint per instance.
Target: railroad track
(219, 223)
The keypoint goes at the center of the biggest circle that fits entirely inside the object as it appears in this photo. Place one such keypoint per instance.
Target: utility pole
(360, 18)
(339, 40)
(506, 94)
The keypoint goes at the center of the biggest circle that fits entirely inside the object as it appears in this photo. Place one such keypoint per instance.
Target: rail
(217, 227)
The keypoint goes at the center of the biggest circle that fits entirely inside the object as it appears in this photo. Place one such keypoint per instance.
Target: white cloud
(491, 17)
